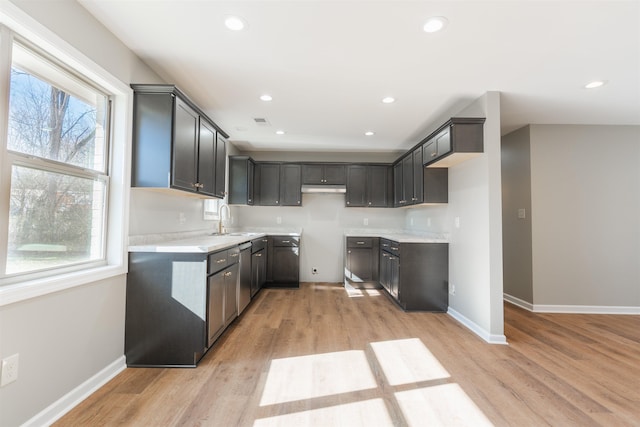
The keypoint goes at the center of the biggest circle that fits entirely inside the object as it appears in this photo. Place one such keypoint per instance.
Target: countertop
(399, 236)
(204, 243)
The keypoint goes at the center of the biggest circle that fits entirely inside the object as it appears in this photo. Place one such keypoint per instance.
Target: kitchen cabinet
(290, 185)
(457, 140)
(241, 182)
(267, 179)
(415, 184)
(175, 145)
(178, 304)
(416, 274)
(361, 261)
(222, 291)
(278, 184)
(283, 261)
(323, 173)
(368, 185)
(258, 264)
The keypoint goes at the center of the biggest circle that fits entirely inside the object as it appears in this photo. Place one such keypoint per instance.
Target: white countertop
(399, 236)
(209, 242)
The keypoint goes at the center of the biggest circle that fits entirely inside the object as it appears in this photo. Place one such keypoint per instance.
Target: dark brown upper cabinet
(323, 173)
(175, 145)
(457, 140)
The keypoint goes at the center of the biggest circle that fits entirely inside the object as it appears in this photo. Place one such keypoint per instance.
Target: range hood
(324, 188)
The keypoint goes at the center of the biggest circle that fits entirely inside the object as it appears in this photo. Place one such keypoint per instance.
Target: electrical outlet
(428, 221)
(366, 221)
(457, 221)
(522, 213)
(314, 270)
(452, 289)
(9, 370)
(410, 221)
(182, 218)
(278, 220)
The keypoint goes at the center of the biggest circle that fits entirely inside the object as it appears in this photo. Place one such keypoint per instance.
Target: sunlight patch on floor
(407, 361)
(317, 375)
(366, 413)
(441, 405)
(360, 292)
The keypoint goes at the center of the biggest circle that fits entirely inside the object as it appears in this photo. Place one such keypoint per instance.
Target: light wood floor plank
(558, 370)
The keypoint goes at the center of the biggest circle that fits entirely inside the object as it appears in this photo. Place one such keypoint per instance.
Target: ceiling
(328, 64)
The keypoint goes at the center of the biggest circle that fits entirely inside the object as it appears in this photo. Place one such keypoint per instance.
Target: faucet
(223, 205)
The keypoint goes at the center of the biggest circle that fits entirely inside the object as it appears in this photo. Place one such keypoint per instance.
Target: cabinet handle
(234, 255)
(220, 261)
(434, 154)
(264, 240)
(258, 255)
(286, 241)
(385, 245)
(348, 202)
(394, 249)
(359, 243)
(369, 203)
(227, 274)
(348, 252)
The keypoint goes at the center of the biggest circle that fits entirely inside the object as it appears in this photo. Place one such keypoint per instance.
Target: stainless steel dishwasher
(244, 280)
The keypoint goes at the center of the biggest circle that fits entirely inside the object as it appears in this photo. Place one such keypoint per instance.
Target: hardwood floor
(317, 356)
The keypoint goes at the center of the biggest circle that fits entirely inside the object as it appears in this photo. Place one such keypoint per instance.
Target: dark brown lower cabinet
(283, 261)
(361, 261)
(416, 275)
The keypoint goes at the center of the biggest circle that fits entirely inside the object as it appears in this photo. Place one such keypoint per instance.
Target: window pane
(64, 121)
(54, 220)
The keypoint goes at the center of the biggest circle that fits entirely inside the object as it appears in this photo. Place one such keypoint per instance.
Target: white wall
(323, 219)
(516, 231)
(66, 338)
(585, 190)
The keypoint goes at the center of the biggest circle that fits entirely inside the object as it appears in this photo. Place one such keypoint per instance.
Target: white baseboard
(57, 409)
(571, 309)
(476, 329)
(517, 301)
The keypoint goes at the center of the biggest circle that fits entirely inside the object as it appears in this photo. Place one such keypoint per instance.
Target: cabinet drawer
(360, 242)
(285, 240)
(217, 261)
(233, 255)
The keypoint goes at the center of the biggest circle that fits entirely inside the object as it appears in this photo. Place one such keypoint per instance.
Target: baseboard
(517, 301)
(476, 329)
(570, 309)
(585, 309)
(57, 409)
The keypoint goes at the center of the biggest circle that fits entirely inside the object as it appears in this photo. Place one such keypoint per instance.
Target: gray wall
(585, 195)
(516, 232)
(65, 338)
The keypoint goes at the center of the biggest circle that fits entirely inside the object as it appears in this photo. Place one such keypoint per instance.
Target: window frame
(16, 24)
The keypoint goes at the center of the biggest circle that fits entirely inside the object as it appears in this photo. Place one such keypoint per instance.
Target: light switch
(457, 222)
(522, 213)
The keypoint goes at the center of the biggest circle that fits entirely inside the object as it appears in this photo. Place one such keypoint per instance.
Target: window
(57, 147)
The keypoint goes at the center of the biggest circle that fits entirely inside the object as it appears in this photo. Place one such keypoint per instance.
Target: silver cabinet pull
(258, 254)
(286, 241)
(360, 243)
(234, 255)
(394, 249)
(227, 274)
(220, 261)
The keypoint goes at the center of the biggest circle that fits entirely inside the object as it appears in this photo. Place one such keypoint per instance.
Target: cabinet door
(221, 166)
(290, 184)
(384, 270)
(207, 158)
(312, 174)
(258, 270)
(356, 186)
(377, 185)
(241, 172)
(335, 174)
(360, 264)
(443, 142)
(286, 264)
(184, 173)
(418, 196)
(407, 180)
(397, 185)
(394, 274)
(268, 183)
(230, 294)
(215, 307)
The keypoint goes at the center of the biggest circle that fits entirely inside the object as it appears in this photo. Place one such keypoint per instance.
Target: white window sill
(16, 292)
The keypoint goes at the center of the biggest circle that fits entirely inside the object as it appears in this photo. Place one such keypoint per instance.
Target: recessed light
(435, 24)
(235, 23)
(594, 84)
(266, 98)
(388, 100)
(279, 132)
(369, 133)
